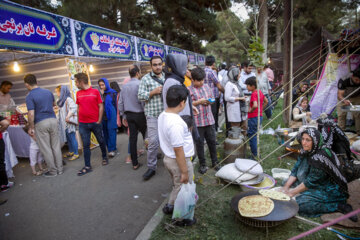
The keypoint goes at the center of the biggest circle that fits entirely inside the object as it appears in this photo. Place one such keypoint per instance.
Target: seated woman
(236, 107)
(317, 179)
(301, 114)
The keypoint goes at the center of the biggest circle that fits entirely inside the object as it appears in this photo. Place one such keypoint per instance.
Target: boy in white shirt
(177, 144)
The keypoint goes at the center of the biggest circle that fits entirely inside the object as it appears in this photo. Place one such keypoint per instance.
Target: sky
(239, 10)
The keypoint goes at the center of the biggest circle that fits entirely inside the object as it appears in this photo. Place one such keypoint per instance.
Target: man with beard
(150, 92)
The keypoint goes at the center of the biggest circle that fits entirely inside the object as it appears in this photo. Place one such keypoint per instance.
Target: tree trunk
(278, 36)
(263, 27)
(168, 36)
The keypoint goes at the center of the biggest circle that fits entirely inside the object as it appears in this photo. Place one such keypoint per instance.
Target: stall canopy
(345, 57)
(27, 29)
(307, 58)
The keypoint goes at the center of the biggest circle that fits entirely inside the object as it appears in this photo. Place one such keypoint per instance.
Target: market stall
(54, 48)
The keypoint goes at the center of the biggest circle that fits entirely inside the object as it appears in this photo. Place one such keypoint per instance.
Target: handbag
(73, 119)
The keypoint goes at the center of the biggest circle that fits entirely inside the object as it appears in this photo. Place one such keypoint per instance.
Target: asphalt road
(112, 202)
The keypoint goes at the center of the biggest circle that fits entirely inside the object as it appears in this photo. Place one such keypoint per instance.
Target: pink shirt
(270, 74)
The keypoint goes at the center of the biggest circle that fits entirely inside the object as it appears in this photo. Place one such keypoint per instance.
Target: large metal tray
(283, 210)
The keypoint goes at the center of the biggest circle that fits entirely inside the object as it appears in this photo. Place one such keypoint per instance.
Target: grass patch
(215, 218)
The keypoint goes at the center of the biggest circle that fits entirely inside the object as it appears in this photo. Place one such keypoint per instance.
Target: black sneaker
(149, 173)
(346, 208)
(48, 174)
(168, 209)
(216, 166)
(186, 222)
(202, 169)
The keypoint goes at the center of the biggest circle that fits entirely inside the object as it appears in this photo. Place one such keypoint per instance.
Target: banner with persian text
(191, 57)
(28, 29)
(147, 49)
(95, 41)
(175, 50)
(324, 99)
(200, 59)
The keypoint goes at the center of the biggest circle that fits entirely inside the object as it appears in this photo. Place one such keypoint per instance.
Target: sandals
(84, 171)
(137, 166)
(69, 154)
(105, 162)
(38, 173)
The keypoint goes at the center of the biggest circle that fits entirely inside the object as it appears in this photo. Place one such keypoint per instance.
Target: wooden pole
(286, 63)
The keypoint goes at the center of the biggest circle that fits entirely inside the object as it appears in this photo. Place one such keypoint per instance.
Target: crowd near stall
(68, 87)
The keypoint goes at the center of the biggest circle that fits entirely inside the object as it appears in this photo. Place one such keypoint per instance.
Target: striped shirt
(211, 80)
(205, 116)
(154, 105)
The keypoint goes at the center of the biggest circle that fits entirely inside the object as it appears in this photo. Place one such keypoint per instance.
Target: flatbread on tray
(255, 206)
(273, 194)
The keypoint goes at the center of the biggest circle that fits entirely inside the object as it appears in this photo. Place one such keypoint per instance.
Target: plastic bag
(185, 202)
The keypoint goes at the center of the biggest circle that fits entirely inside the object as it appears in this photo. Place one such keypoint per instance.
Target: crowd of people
(175, 107)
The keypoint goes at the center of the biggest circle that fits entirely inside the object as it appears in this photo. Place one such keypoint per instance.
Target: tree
(227, 47)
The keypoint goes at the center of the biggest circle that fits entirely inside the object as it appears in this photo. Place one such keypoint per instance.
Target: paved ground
(100, 205)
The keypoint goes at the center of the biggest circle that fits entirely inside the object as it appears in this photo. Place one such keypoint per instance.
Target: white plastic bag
(185, 202)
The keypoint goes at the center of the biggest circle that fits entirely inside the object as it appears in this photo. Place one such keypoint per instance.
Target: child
(253, 112)
(177, 144)
(204, 121)
(35, 155)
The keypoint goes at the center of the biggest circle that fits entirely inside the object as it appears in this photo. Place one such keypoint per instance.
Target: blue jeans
(85, 130)
(268, 110)
(71, 139)
(109, 136)
(252, 129)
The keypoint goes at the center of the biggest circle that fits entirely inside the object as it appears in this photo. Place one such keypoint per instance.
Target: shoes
(113, 153)
(60, 172)
(216, 166)
(346, 208)
(2, 201)
(49, 174)
(168, 209)
(69, 154)
(4, 188)
(128, 160)
(202, 169)
(74, 157)
(186, 222)
(149, 173)
(219, 130)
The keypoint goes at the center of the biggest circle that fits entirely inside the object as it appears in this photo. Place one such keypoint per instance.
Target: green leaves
(255, 51)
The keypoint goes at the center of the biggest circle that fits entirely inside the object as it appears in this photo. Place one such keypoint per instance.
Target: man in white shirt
(247, 71)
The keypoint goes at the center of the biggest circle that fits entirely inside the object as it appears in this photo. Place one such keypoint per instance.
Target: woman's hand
(240, 99)
(284, 190)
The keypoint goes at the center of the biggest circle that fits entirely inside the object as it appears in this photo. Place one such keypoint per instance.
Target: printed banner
(147, 49)
(200, 59)
(94, 41)
(324, 99)
(191, 57)
(27, 29)
(175, 50)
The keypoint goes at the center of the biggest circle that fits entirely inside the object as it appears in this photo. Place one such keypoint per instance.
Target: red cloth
(254, 98)
(88, 101)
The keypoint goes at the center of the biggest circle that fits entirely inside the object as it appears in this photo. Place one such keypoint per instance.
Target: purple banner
(324, 99)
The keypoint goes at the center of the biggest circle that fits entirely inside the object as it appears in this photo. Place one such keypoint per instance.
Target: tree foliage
(228, 47)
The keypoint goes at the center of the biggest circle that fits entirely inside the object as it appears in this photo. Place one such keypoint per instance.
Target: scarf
(323, 158)
(233, 76)
(175, 68)
(108, 98)
(333, 135)
(64, 94)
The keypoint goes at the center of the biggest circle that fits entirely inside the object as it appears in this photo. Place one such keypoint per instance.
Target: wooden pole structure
(287, 58)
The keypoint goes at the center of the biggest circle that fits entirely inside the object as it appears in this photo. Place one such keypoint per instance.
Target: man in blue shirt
(43, 124)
